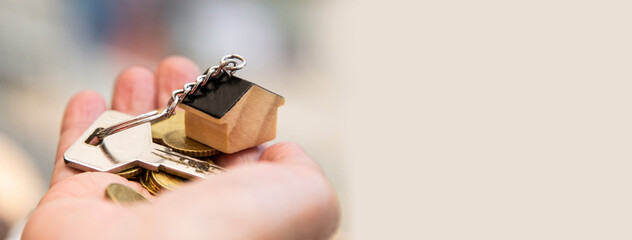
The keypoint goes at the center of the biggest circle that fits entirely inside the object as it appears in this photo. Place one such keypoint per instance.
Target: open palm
(267, 193)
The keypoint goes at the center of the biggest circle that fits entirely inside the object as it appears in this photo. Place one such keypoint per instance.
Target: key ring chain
(229, 64)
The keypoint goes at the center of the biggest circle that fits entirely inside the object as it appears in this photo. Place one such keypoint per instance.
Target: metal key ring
(226, 58)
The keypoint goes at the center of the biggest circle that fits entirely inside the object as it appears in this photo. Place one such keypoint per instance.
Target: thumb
(88, 186)
(288, 153)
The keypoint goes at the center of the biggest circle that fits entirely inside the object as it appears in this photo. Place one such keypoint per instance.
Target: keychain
(222, 113)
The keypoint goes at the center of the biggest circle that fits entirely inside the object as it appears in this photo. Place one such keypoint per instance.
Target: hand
(273, 193)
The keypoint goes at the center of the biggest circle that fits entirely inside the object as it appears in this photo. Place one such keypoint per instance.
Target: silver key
(130, 148)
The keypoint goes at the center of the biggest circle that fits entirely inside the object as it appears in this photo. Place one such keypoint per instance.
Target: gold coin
(179, 142)
(121, 194)
(166, 181)
(130, 173)
(149, 185)
(160, 129)
(207, 159)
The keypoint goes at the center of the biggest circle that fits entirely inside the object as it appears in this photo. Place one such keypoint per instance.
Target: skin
(277, 192)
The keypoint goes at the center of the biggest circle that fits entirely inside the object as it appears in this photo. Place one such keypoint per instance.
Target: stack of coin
(169, 133)
(179, 142)
(155, 182)
(160, 129)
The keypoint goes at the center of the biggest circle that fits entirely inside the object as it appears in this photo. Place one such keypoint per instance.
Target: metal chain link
(229, 64)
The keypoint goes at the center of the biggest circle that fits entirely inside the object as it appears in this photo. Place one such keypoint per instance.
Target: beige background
(446, 119)
(485, 119)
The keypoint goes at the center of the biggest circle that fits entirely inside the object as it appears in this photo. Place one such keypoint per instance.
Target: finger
(88, 185)
(288, 153)
(250, 155)
(171, 74)
(135, 91)
(83, 109)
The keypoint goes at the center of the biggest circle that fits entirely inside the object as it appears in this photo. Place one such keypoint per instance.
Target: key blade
(87, 157)
(158, 157)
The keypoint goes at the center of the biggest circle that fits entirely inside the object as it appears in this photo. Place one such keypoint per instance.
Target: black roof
(218, 95)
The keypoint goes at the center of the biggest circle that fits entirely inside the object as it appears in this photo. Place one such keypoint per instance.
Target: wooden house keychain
(231, 114)
(221, 111)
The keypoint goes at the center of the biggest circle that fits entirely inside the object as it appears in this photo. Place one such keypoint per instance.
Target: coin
(207, 159)
(160, 129)
(146, 182)
(155, 182)
(121, 194)
(179, 142)
(130, 173)
(166, 181)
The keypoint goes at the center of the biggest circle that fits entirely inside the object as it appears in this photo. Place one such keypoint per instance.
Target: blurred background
(50, 50)
(446, 119)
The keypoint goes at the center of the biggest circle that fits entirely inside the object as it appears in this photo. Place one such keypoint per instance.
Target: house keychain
(221, 113)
